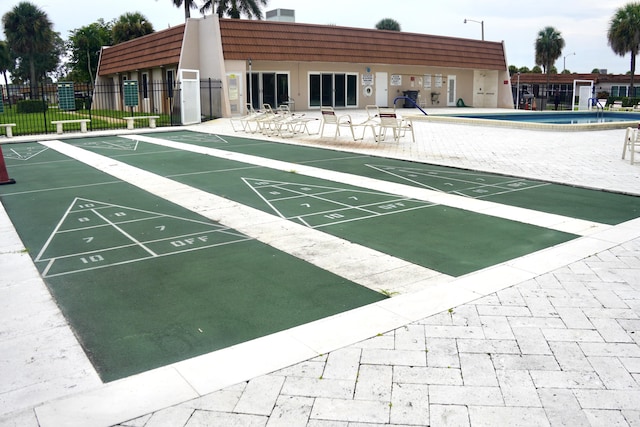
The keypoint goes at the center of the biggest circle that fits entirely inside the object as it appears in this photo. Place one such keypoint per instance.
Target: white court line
(161, 388)
(528, 216)
(328, 252)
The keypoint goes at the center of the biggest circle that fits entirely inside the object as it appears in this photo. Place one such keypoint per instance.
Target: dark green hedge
(31, 106)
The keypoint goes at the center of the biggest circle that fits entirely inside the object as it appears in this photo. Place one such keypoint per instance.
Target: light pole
(564, 61)
(479, 22)
(250, 85)
(518, 93)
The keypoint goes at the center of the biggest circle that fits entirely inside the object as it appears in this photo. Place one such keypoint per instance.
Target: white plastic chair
(398, 126)
(631, 143)
(329, 117)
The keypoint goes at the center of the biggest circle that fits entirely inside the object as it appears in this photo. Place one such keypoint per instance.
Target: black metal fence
(34, 110)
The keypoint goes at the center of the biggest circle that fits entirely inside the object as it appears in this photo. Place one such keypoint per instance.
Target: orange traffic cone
(4, 176)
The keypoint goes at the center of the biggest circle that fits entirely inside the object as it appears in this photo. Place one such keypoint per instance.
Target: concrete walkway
(553, 339)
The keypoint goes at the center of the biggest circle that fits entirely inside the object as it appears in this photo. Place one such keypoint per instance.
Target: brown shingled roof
(285, 41)
(153, 50)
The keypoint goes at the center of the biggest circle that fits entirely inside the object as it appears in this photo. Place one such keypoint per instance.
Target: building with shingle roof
(308, 65)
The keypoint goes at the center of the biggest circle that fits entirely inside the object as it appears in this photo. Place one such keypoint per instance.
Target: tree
(30, 36)
(188, 5)
(549, 45)
(235, 8)
(524, 69)
(595, 71)
(536, 69)
(388, 24)
(130, 26)
(84, 47)
(624, 35)
(6, 62)
(46, 64)
(512, 70)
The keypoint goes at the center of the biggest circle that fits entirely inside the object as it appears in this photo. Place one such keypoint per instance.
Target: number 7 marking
(87, 239)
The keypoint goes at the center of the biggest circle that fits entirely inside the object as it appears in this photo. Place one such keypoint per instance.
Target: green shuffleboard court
(587, 204)
(144, 282)
(438, 237)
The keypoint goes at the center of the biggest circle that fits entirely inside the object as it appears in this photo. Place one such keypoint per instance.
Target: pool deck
(557, 344)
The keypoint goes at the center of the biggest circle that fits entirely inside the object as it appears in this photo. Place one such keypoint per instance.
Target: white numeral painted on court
(86, 205)
(391, 206)
(189, 241)
(161, 227)
(92, 258)
(84, 219)
(87, 239)
(334, 216)
(120, 214)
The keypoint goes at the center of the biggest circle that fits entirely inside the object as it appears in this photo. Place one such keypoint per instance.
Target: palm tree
(388, 24)
(130, 26)
(84, 46)
(624, 34)
(30, 35)
(188, 5)
(549, 45)
(235, 8)
(5, 60)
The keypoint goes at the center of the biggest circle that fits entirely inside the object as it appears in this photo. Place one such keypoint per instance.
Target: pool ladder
(595, 102)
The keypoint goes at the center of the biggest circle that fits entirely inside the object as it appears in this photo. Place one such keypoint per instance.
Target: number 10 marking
(92, 258)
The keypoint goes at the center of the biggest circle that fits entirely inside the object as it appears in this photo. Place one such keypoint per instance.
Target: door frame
(382, 88)
(451, 91)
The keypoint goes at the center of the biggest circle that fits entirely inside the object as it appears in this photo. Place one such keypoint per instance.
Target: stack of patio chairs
(283, 122)
(245, 122)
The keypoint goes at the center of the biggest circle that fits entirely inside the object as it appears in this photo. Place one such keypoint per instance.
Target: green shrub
(79, 104)
(31, 106)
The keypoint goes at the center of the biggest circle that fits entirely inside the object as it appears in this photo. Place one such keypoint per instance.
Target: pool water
(563, 118)
(543, 120)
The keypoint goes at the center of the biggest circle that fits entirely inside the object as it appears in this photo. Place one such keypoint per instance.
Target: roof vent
(283, 15)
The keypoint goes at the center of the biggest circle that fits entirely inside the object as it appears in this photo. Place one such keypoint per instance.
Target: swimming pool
(545, 120)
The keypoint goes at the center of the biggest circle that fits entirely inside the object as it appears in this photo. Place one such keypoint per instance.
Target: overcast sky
(582, 23)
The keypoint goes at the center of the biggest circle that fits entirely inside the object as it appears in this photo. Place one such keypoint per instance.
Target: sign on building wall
(130, 93)
(66, 97)
(427, 81)
(367, 79)
(396, 80)
(233, 87)
(438, 80)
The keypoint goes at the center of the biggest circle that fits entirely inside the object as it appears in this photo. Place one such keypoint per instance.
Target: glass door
(333, 90)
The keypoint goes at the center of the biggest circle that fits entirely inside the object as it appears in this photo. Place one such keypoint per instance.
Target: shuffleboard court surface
(449, 240)
(144, 282)
(587, 204)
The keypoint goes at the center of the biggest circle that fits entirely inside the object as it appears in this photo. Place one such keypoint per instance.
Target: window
(333, 89)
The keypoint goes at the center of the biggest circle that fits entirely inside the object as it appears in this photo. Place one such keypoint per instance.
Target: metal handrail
(406, 98)
(595, 102)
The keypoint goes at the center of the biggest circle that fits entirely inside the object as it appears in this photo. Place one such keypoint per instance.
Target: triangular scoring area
(319, 206)
(463, 183)
(22, 153)
(121, 144)
(93, 234)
